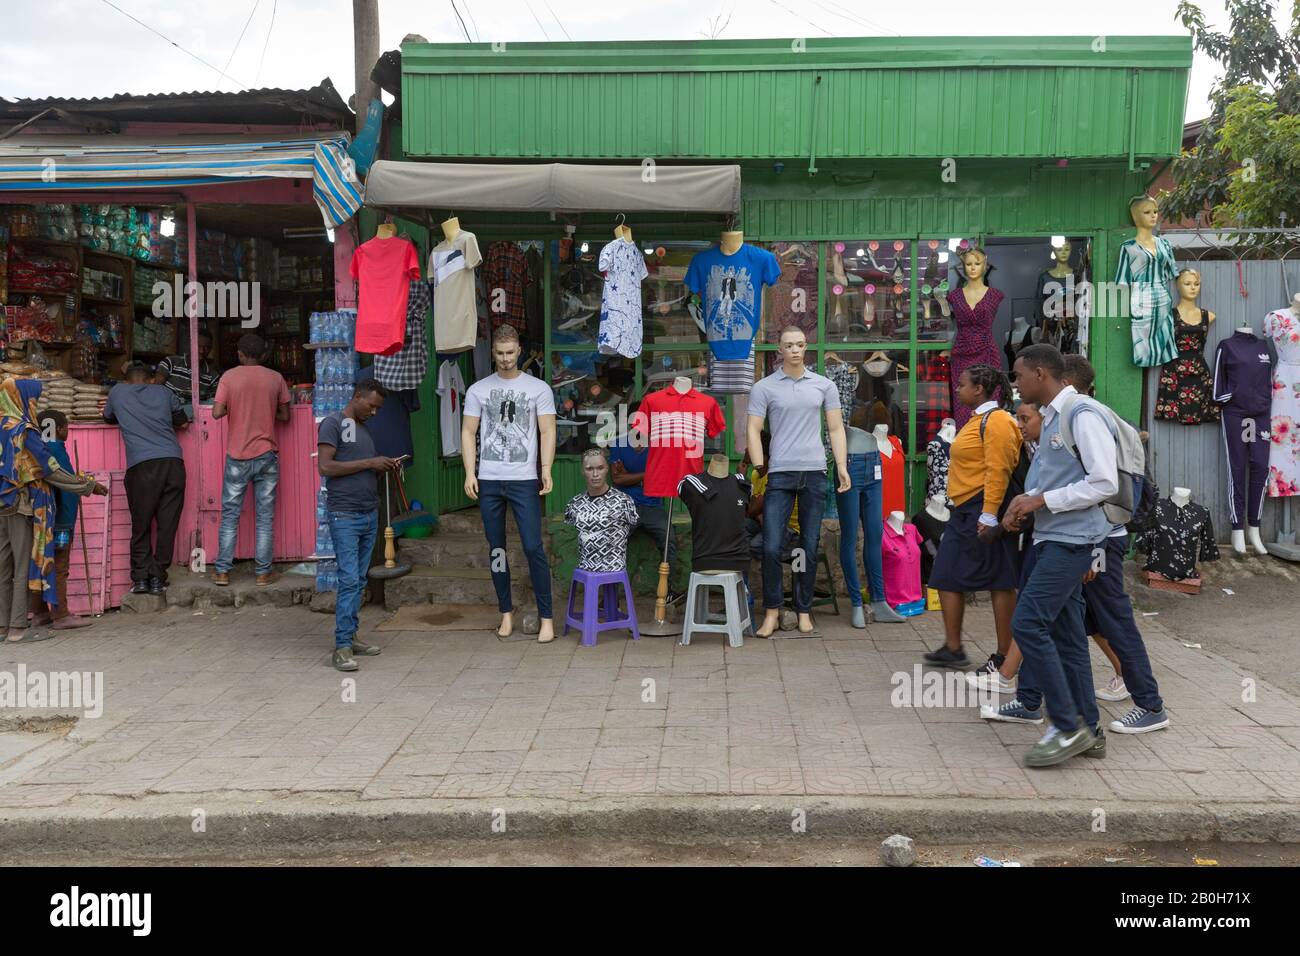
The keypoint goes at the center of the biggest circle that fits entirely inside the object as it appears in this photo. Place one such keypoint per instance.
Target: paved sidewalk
(242, 701)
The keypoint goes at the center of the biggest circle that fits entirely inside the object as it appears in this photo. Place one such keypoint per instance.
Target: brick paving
(244, 701)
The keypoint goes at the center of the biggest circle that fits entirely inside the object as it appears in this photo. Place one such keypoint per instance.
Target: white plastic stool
(735, 597)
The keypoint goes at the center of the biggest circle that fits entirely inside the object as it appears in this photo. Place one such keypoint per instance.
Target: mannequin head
(979, 384)
(793, 344)
(1062, 252)
(1030, 419)
(1189, 285)
(505, 349)
(974, 264)
(1144, 212)
(595, 469)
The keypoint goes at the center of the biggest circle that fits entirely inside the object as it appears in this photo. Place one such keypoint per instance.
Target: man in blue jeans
(348, 463)
(1065, 494)
(792, 400)
(252, 398)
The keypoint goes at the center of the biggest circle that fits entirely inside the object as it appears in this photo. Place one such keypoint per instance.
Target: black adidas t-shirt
(717, 507)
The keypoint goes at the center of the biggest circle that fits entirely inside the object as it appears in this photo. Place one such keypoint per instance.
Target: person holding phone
(350, 467)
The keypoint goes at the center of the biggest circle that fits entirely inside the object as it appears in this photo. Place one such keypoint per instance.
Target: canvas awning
(50, 163)
(553, 187)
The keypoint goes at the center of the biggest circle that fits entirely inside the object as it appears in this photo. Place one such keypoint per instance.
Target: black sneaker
(1098, 749)
(140, 587)
(157, 586)
(946, 658)
(991, 665)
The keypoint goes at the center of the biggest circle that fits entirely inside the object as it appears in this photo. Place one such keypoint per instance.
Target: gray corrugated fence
(1192, 456)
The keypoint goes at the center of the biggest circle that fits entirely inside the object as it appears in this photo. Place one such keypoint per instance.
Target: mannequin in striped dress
(1146, 266)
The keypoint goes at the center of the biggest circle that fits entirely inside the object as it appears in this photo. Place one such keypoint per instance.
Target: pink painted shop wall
(99, 449)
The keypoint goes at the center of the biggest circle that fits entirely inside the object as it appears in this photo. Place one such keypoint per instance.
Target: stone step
(459, 550)
(425, 585)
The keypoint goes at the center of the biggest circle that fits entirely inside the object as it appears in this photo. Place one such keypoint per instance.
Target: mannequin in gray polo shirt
(792, 400)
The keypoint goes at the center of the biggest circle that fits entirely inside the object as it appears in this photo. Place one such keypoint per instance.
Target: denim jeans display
(784, 488)
(859, 507)
(525, 503)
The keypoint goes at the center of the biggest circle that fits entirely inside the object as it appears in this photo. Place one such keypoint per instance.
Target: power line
(267, 41)
(803, 18)
(175, 44)
(538, 22)
(556, 19)
(834, 9)
(256, 4)
(472, 21)
(462, 21)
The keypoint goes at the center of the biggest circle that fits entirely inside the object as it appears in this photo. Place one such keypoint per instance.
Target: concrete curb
(253, 826)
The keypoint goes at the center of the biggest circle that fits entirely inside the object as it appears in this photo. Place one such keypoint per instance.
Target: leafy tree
(1245, 166)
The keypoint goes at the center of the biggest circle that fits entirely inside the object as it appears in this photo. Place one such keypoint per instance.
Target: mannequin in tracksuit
(1243, 386)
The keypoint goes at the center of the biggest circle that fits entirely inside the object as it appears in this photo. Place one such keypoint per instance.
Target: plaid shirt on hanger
(505, 267)
(933, 397)
(405, 368)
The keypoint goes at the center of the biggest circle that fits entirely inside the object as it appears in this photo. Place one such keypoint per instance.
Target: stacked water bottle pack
(326, 565)
(336, 360)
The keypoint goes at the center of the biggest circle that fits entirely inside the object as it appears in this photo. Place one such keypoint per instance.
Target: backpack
(1016, 481)
(1130, 459)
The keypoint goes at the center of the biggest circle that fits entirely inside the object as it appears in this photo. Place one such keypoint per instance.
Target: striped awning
(49, 163)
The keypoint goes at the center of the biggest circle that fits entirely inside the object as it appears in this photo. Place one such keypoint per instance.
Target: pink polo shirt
(901, 557)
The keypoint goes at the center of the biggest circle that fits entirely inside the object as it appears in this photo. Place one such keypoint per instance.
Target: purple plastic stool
(602, 586)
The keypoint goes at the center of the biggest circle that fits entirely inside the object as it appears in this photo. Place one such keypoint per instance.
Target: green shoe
(1058, 747)
(1098, 748)
(343, 660)
(362, 649)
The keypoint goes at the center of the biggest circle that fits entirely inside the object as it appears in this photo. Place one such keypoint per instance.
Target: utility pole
(365, 47)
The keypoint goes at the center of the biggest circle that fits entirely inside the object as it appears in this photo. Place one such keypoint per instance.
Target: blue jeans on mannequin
(525, 501)
(860, 507)
(784, 488)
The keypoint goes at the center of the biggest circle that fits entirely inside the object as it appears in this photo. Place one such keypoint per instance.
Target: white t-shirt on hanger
(451, 400)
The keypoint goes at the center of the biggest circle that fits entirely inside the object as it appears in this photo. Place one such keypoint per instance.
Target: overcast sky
(84, 48)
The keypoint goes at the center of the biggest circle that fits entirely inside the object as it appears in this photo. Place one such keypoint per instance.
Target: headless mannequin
(719, 466)
(896, 520)
(1251, 532)
(451, 229)
(386, 230)
(1181, 497)
(731, 242)
(949, 430)
(936, 508)
(681, 384)
(885, 446)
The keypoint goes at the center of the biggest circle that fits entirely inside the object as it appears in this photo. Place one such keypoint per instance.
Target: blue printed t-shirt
(732, 289)
(634, 461)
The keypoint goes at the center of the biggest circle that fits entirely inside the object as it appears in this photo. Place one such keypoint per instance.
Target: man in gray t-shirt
(792, 400)
(147, 416)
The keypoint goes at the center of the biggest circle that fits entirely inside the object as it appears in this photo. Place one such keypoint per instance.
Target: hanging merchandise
(892, 466)
(1283, 327)
(1178, 538)
(937, 454)
(732, 290)
(451, 272)
(451, 396)
(623, 265)
(405, 368)
(383, 269)
(1186, 391)
(845, 377)
(678, 424)
(731, 378)
(1243, 385)
(901, 562)
(933, 397)
(505, 273)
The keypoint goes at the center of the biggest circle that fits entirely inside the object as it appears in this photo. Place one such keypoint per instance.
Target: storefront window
(575, 297)
(589, 388)
(868, 290)
(793, 300)
(670, 318)
(935, 262)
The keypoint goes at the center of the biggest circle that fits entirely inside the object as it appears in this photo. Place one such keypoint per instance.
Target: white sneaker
(1113, 689)
(991, 682)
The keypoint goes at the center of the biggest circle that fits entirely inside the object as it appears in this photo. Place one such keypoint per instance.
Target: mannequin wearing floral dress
(1186, 391)
(974, 307)
(1283, 328)
(1146, 266)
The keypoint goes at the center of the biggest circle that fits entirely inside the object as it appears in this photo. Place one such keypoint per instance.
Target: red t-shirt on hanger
(677, 424)
(383, 269)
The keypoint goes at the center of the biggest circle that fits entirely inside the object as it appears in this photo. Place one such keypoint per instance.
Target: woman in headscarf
(27, 471)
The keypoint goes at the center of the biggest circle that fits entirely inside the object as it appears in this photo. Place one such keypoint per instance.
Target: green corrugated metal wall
(700, 100)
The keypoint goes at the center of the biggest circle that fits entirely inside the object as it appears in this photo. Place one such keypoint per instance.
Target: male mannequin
(603, 515)
(792, 399)
(518, 435)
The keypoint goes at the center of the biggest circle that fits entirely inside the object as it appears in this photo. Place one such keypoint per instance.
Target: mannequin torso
(451, 229)
(896, 520)
(1181, 497)
(883, 444)
(731, 242)
(936, 508)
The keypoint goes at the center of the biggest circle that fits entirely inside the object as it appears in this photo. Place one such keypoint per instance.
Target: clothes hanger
(832, 357)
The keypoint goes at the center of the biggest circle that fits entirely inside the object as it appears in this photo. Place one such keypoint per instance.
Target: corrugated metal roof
(858, 98)
(267, 105)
